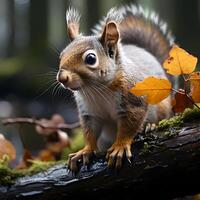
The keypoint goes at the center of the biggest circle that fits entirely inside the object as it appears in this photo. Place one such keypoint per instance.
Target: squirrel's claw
(115, 155)
(149, 127)
(83, 154)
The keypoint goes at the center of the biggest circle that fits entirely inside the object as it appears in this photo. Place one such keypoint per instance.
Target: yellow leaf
(179, 62)
(155, 89)
(195, 86)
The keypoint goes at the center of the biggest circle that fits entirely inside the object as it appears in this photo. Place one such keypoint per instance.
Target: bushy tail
(144, 29)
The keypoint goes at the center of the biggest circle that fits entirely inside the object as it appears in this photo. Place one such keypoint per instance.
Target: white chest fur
(97, 102)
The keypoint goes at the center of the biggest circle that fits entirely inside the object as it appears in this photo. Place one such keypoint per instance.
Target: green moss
(38, 166)
(188, 115)
(9, 175)
(168, 123)
(146, 148)
(191, 114)
(77, 143)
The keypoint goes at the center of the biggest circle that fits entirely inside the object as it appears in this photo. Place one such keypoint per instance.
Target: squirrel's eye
(90, 58)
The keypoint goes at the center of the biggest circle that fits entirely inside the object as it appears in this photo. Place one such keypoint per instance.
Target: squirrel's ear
(110, 36)
(72, 18)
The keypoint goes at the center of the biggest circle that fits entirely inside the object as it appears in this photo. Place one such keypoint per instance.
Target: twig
(191, 99)
(177, 91)
(39, 123)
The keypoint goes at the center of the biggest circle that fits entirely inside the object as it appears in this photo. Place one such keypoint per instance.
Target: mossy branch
(163, 165)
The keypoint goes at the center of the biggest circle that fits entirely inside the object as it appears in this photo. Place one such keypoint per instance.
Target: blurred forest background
(32, 34)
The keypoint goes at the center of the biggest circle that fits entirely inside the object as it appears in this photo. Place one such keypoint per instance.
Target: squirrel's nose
(63, 76)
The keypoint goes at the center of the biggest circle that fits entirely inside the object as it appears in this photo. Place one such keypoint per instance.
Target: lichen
(147, 148)
(188, 115)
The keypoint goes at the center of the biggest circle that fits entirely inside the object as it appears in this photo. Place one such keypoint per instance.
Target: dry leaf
(60, 143)
(25, 162)
(155, 89)
(179, 62)
(195, 86)
(46, 155)
(6, 147)
(181, 101)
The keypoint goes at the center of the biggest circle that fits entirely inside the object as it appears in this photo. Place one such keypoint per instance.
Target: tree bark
(165, 165)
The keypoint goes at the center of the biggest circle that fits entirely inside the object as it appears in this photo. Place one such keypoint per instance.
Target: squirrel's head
(89, 59)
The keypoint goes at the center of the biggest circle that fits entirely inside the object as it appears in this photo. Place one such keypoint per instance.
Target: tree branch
(164, 165)
(39, 123)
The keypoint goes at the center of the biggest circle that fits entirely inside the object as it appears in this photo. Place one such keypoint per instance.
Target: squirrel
(128, 45)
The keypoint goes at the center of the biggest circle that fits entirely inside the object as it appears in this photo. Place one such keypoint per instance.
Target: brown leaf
(24, 163)
(46, 155)
(61, 143)
(180, 102)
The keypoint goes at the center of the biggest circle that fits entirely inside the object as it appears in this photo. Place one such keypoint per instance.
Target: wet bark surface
(164, 165)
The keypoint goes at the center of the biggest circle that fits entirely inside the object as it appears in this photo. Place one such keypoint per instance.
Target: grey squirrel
(128, 45)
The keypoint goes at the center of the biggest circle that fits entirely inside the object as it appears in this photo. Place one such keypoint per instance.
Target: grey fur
(114, 15)
(136, 11)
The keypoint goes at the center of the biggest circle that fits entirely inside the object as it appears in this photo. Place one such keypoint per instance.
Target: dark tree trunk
(38, 27)
(164, 166)
(186, 23)
(11, 19)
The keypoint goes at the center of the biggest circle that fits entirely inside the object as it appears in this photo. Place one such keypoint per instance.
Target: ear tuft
(72, 19)
(72, 16)
(114, 15)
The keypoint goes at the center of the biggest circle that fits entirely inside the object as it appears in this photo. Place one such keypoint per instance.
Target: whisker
(53, 69)
(91, 93)
(60, 89)
(86, 94)
(104, 89)
(54, 49)
(46, 90)
(46, 76)
(54, 90)
(99, 91)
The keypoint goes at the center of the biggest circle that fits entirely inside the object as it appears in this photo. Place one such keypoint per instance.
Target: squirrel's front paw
(84, 154)
(116, 152)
